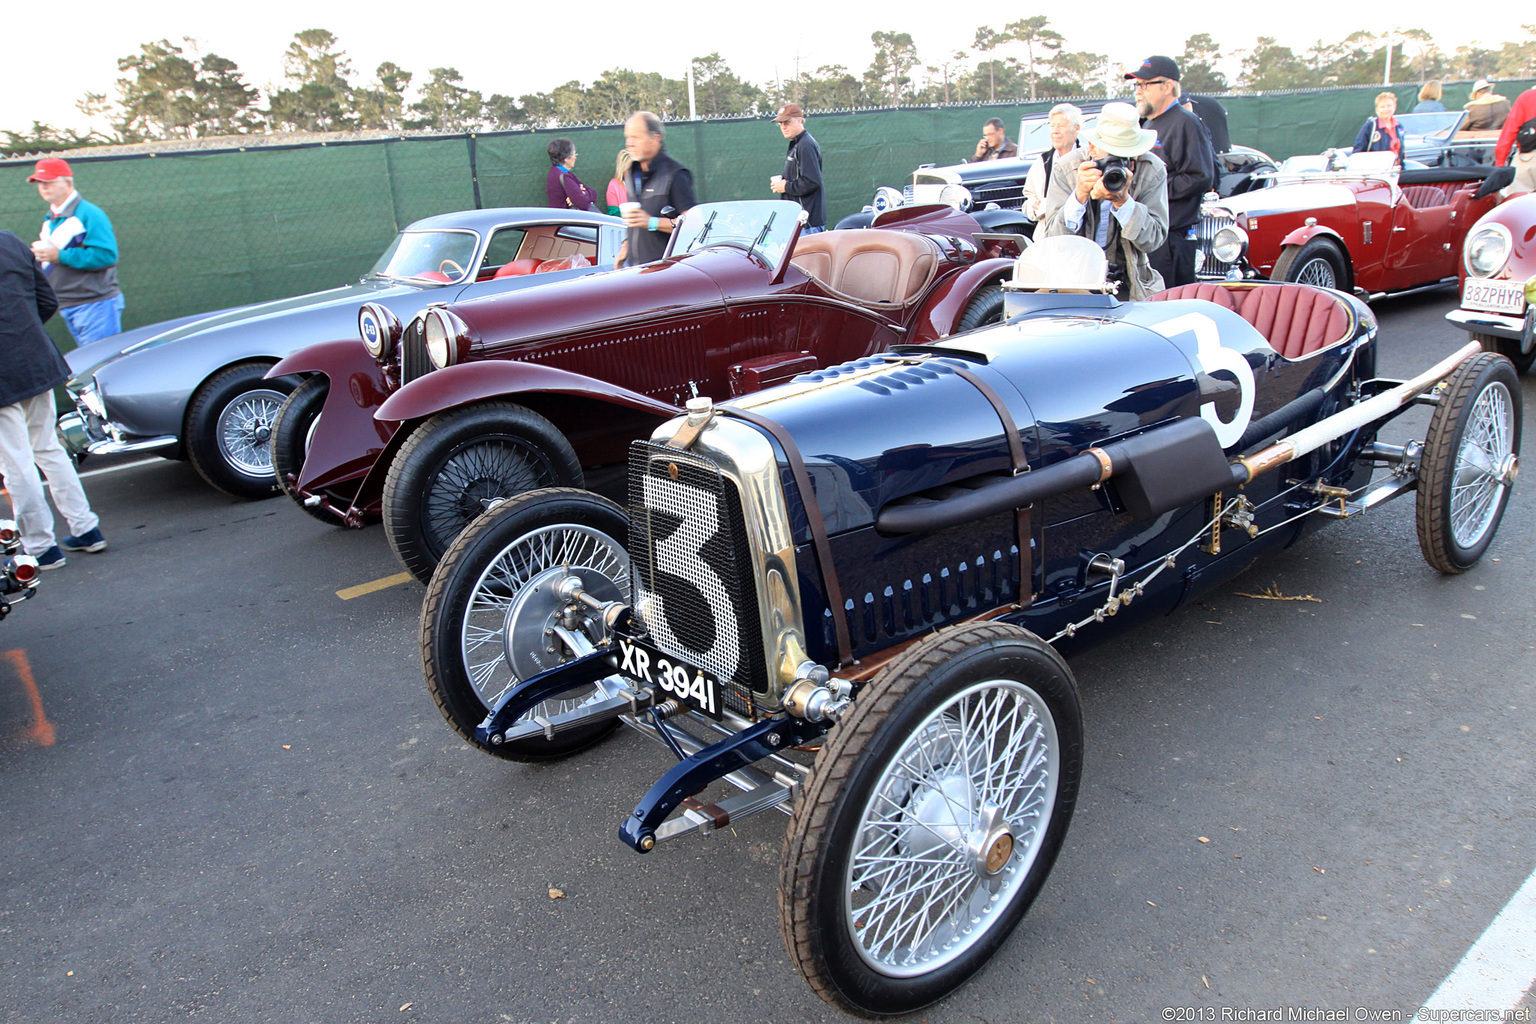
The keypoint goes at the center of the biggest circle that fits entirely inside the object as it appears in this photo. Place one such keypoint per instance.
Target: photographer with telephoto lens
(1115, 193)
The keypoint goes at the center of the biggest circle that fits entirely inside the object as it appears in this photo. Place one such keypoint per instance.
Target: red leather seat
(517, 268)
(1210, 291)
(1296, 319)
(570, 262)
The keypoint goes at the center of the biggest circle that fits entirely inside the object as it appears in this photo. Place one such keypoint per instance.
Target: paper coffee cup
(776, 179)
(626, 207)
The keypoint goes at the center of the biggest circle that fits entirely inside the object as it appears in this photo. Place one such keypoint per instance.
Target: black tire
(489, 582)
(886, 761)
(1509, 348)
(985, 307)
(1468, 465)
(229, 429)
(1319, 263)
(455, 464)
(291, 431)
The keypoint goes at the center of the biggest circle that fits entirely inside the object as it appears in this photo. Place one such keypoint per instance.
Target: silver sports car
(193, 388)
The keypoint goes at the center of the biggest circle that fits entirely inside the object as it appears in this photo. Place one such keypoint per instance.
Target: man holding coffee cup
(801, 180)
(659, 191)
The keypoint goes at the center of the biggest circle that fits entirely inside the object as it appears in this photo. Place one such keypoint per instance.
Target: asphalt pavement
(228, 796)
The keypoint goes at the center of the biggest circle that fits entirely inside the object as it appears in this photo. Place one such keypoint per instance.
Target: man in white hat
(1130, 220)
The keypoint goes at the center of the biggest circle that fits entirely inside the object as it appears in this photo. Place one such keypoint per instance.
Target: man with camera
(1115, 193)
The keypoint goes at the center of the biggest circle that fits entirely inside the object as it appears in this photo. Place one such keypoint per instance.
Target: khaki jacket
(1148, 227)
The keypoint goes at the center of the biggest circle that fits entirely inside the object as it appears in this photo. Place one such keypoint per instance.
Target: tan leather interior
(543, 244)
(1296, 319)
(869, 266)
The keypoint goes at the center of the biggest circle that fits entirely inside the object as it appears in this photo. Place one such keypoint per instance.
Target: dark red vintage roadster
(432, 421)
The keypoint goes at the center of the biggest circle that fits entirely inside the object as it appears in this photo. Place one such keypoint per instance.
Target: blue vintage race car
(192, 388)
(844, 596)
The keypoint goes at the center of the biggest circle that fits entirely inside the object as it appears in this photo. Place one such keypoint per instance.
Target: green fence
(205, 230)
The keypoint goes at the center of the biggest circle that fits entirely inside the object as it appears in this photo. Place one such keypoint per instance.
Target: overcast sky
(61, 53)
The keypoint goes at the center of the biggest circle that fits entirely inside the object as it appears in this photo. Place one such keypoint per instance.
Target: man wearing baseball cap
(1115, 193)
(802, 169)
(78, 252)
(1186, 152)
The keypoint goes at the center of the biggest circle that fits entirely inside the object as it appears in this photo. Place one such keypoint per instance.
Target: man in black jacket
(1183, 145)
(802, 169)
(30, 368)
(662, 188)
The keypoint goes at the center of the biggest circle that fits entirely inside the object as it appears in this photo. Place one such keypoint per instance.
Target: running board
(1373, 296)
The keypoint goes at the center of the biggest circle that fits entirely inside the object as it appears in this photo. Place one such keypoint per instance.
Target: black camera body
(1117, 172)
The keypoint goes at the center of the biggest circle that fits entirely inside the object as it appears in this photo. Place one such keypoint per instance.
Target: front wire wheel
(493, 616)
(931, 819)
(1469, 464)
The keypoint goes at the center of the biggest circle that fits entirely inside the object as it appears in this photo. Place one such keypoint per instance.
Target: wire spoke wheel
(494, 616)
(459, 463)
(932, 816)
(475, 476)
(1317, 272)
(244, 430)
(952, 828)
(1470, 461)
(1480, 465)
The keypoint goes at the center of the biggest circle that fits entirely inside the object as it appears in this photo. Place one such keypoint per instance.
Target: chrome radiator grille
(906, 195)
(1009, 195)
(1207, 265)
(413, 353)
(692, 571)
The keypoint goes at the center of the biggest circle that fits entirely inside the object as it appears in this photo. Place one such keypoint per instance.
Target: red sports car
(1498, 282)
(432, 421)
(1354, 222)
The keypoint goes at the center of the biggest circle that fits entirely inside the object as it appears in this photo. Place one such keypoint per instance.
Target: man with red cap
(78, 252)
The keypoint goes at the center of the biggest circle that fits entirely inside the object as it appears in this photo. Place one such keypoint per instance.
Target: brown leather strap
(1021, 520)
(813, 517)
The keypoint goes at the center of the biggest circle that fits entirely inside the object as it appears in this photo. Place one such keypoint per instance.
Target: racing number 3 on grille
(842, 598)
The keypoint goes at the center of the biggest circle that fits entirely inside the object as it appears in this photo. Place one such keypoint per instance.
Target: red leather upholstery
(1421, 197)
(570, 262)
(434, 275)
(517, 268)
(1296, 319)
(1210, 291)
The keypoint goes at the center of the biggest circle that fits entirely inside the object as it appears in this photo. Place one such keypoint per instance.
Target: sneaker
(91, 541)
(50, 559)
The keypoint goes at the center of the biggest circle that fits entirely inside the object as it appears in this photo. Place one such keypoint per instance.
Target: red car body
(1370, 233)
(1498, 281)
(606, 357)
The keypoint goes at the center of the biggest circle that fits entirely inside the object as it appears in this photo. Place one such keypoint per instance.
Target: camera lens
(1114, 178)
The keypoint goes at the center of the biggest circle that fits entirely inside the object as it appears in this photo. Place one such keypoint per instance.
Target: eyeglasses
(1140, 85)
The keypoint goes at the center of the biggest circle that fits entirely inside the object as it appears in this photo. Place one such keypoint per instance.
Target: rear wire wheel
(489, 618)
(931, 818)
(1318, 263)
(1470, 458)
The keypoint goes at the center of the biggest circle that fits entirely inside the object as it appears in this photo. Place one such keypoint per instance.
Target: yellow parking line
(368, 588)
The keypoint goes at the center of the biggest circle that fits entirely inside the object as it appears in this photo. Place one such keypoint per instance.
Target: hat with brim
(1118, 132)
(51, 168)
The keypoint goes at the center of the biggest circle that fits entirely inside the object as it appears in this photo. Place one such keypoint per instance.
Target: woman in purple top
(565, 190)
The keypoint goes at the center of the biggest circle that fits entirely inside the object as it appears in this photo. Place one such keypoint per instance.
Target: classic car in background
(195, 388)
(1352, 221)
(897, 545)
(993, 190)
(430, 421)
(1498, 281)
(18, 573)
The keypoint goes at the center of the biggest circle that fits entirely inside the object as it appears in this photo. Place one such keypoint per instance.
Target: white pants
(28, 441)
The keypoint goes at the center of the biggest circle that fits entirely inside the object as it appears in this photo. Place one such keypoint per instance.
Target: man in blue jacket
(78, 252)
(30, 368)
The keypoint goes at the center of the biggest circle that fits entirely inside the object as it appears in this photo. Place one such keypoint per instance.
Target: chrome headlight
(1230, 243)
(886, 198)
(957, 196)
(1487, 250)
(446, 337)
(89, 399)
(379, 328)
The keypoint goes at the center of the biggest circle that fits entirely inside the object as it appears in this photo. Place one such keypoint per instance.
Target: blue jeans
(95, 320)
(811, 231)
